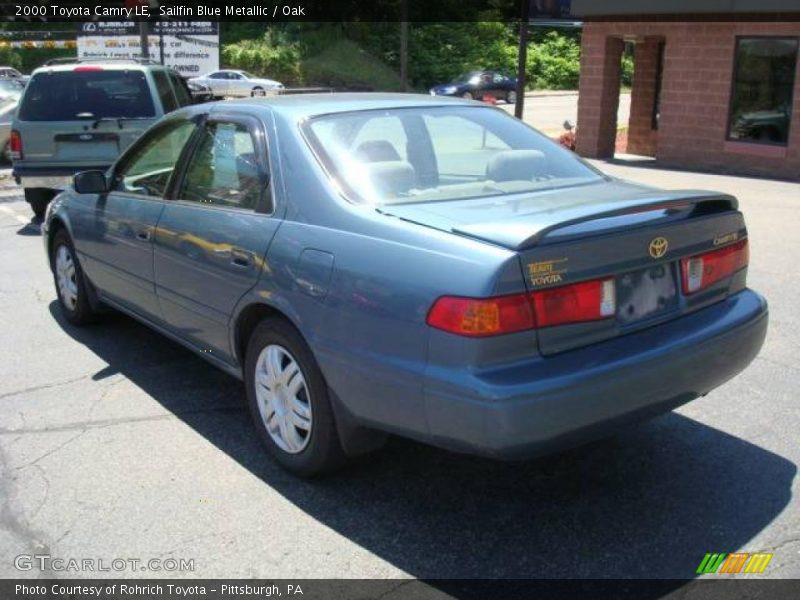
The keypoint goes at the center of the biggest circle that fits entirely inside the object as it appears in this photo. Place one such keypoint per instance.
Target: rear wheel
(70, 283)
(289, 402)
(39, 198)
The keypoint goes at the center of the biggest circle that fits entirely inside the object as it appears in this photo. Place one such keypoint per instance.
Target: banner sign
(191, 48)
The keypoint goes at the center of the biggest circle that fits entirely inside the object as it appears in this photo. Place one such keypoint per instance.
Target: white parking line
(18, 217)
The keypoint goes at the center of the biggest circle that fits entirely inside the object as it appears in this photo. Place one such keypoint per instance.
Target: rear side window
(90, 93)
(224, 169)
(168, 100)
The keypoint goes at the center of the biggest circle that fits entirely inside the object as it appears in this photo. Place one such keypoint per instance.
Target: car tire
(511, 97)
(293, 417)
(71, 286)
(6, 153)
(39, 198)
(467, 96)
(258, 92)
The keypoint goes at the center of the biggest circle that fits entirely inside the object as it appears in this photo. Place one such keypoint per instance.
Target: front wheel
(467, 96)
(70, 283)
(511, 98)
(289, 401)
(39, 198)
(258, 92)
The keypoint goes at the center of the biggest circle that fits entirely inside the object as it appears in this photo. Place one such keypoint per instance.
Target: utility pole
(144, 39)
(404, 45)
(522, 57)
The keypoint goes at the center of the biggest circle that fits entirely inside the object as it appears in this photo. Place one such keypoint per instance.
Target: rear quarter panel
(364, 316)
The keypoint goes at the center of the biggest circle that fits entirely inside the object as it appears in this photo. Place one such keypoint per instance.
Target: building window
(763, 80)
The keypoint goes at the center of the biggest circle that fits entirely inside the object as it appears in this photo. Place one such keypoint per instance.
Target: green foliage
(365, 54)
(554, 62)
(27, 59)
(273, 56)
(627, 66)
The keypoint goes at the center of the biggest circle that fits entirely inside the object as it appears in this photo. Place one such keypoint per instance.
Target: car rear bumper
(576, 396)
(54, 178)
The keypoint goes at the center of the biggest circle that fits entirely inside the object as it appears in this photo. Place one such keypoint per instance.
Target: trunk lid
(633, 234)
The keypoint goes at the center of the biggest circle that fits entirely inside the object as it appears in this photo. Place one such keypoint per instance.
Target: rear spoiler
(522, 233)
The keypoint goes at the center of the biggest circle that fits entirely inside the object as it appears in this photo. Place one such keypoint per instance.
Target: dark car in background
(477, 84)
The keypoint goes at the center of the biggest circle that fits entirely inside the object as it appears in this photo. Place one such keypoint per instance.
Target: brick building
(716, 83)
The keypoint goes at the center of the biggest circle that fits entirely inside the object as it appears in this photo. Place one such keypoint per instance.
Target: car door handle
(143, 235)
(240, 258)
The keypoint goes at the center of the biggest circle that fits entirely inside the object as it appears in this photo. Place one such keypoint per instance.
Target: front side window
(91, 92)
(763, 80)
(148, 170)
(224, 169)
(414, 155)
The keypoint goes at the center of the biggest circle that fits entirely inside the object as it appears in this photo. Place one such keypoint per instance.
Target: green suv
(75, 116)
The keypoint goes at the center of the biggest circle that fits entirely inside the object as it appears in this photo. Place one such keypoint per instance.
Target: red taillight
(480, 317)
(86, 69)
(704, 270)
(585, 301)
(15, 145)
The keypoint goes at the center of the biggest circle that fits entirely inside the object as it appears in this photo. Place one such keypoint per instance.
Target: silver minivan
(82, 115)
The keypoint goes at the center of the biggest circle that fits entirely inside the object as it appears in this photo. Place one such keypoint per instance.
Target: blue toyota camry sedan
(422, 266)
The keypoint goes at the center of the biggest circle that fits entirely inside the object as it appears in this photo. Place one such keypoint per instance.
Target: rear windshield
(63, 95)
(411, 155)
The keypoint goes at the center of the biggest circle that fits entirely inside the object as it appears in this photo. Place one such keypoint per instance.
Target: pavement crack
(51, 451)
(45, 386)
(12, 522)
(85, 426)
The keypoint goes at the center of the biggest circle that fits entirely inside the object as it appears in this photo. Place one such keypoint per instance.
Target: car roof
(106, 65)
(300, 106)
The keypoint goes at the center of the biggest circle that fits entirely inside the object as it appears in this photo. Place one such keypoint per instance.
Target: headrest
(391, 178)
(376, 151)
(515, 165)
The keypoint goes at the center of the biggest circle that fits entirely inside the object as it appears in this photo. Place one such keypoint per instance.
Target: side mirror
(90, 182)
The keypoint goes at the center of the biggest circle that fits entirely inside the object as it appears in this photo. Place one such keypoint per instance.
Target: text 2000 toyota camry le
(424, 266)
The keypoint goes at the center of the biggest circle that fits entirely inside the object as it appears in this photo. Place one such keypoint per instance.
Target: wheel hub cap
(283, 399)
(65, 278)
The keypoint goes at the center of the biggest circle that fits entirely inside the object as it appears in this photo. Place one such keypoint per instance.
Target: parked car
(770, 126)
(237, 84)
(431, 267)
(478, 84)
(8, 106)
(11, 88)
(81, 115)
(200, 92)
(10, 92)
(13, 74)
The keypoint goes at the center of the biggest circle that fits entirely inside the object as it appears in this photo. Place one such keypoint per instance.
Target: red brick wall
(642, 138)
(598, 100)
(695, 96)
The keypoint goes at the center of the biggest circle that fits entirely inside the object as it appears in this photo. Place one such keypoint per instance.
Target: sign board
(551, 9)
(191, 48)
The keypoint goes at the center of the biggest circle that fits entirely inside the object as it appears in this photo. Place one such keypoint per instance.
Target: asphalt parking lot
(115, 442)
